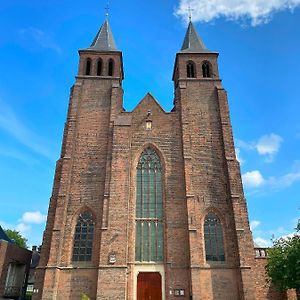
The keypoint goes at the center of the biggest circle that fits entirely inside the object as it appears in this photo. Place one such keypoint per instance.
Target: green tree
(283, 264)
(17, 238)
(85, 297)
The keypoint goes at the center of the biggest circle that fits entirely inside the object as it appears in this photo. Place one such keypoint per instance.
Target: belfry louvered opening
(149, 208)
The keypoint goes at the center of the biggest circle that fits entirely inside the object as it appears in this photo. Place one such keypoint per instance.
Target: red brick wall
(264, 289)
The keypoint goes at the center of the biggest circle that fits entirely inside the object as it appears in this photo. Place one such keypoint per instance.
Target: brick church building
(149, 204)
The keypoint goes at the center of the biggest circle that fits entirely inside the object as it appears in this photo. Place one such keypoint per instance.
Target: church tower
(147, 204)
(221, 246)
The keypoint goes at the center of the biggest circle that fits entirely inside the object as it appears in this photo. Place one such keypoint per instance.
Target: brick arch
(139, 153)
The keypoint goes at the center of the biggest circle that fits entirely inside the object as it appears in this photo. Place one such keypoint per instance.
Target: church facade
(147, 204)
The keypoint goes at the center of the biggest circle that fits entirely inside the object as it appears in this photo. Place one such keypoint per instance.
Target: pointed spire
(104, 40)
(192, 41)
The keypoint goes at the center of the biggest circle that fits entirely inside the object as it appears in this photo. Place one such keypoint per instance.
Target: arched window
(111, 67)
(190, 70)
(206, 70)
(88, 66)
(213, 236)
(99, 67)
(149, 208)
(83, 239)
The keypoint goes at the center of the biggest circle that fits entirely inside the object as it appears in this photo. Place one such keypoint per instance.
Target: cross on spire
(190, 10)
(107, 9)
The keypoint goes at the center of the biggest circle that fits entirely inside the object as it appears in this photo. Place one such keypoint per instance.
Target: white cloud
(40, 37)
(269, 145)
(33, 217)
(23, 228)
(238, 156)
(254, 224)
(263, 242)
(258, 11)
(253, 179)
(10, 123)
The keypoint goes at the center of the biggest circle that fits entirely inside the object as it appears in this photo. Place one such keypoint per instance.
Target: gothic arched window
(213, 236)
(83, 238)
(88, 66)
(111, 67)
(149, 208)
(99, 67)
(190, 70)
(206, 70)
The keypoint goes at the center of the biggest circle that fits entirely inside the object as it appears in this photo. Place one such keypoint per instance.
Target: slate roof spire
(104, 40)
(192, 41)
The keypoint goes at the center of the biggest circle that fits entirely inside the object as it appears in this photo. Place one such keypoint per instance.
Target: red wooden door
(149, 286)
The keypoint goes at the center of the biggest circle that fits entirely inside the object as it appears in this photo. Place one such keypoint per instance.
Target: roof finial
(107, 10)
(190, 10)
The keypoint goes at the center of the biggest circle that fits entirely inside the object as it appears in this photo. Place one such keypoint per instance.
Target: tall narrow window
(190, 69)
(99, 67)
(88, 66)
(110, 67)
(149, 208)
(83, 239)
(206, 70)
(213, 236)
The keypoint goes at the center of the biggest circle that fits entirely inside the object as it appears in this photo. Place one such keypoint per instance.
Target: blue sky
(259, 63)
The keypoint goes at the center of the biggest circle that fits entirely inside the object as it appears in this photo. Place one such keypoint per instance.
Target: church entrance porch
(149, 286)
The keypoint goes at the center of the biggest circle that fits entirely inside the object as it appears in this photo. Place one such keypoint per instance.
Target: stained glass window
(213, 236)
(83, 239)
(149, 208)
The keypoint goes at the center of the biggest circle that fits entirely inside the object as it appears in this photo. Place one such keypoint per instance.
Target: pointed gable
(192, 41)
(150, 102)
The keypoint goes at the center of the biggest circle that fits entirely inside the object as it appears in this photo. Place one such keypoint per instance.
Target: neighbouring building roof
(104, 40)
(192, 41)
(4, 237)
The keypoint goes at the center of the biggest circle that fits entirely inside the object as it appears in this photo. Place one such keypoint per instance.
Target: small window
(110, 67)
(99, 67)
(190, 69)
(206, 70)
(213, 236)
(88, 66)
(83, 237)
